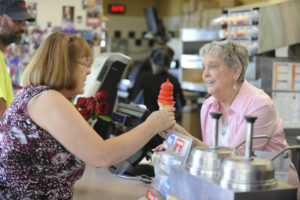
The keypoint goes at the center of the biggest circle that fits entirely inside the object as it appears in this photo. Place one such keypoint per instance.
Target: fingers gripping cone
(165, 97)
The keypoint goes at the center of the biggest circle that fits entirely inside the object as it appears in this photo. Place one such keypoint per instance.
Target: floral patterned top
(33, 165)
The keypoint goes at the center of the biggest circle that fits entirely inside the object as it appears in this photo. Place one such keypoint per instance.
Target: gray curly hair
(233, 53)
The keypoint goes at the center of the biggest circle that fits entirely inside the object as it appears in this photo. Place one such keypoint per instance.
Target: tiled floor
(100, 184)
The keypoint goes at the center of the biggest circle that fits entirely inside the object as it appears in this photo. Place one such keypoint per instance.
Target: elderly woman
(224, 65)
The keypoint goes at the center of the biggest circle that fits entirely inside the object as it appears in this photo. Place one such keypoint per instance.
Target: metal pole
(216, 116)
(248, 149)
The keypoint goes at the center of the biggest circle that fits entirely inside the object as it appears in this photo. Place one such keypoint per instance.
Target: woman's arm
(54, 113)
(3, 107)
(180, 129)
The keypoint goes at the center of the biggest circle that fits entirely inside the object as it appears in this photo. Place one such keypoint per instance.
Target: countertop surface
(100, 183)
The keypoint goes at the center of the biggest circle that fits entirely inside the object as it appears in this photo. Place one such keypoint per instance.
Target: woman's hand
(180, 129)
(177, 128)
(162, 119)
(159, 148)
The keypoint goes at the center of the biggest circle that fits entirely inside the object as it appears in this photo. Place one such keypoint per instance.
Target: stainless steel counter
(190, 187)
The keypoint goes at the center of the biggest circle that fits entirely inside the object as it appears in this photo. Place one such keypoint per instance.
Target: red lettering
(117, 8)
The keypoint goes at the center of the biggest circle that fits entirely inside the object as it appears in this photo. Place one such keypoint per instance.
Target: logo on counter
(151, 196)
(179, 144)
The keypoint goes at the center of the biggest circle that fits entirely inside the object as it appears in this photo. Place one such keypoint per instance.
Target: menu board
(296, 77)
(288, 108)
(286, 76)
(282, 73)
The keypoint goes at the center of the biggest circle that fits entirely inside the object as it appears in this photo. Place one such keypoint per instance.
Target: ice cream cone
(160, 105)
(165, 97)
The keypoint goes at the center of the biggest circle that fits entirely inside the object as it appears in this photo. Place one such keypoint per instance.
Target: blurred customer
(44, 140)
(145, 66)
(13, 14)
(147, 85)
(149, 81)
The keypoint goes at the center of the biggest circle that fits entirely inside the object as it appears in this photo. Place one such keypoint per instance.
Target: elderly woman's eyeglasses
(87, 62)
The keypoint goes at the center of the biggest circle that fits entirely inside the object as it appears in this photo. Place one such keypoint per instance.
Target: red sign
(179, 143)
(151, 196)
(117, 8)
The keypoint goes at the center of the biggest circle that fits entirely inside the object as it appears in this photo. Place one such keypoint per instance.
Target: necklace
(224, 129)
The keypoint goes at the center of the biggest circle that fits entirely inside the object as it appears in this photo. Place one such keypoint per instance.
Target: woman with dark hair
(149, 82)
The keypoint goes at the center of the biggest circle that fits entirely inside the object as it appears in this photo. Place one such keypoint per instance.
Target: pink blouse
(249, 101)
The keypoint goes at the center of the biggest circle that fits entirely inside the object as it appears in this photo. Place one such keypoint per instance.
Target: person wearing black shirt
(149, 82)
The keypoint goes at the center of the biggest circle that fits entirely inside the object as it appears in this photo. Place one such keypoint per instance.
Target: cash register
(106, 73)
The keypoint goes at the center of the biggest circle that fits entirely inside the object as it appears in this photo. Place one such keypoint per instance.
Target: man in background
(13, 17)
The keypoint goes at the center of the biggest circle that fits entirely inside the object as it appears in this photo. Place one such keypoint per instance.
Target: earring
(234, 87)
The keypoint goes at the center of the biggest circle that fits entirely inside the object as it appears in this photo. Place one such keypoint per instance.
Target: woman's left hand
(162, 119)
(165, 133)
(159, 148)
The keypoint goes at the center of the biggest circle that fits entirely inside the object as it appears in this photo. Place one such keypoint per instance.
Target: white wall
(51, 10)
(138, 25)
(126, 24)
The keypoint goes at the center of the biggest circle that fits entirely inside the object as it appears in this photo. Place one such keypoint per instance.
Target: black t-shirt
(150, 84)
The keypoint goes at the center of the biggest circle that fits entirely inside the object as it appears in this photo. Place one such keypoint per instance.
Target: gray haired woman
(224, 65)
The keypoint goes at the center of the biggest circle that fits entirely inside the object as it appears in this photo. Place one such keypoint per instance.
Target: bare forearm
(3, 106)
(123, 146)
(185, 132)
(68, 127)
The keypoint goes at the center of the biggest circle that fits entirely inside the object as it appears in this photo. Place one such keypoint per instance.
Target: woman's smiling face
(217, 76)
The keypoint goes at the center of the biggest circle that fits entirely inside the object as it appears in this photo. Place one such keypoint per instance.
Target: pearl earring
(234, 87)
